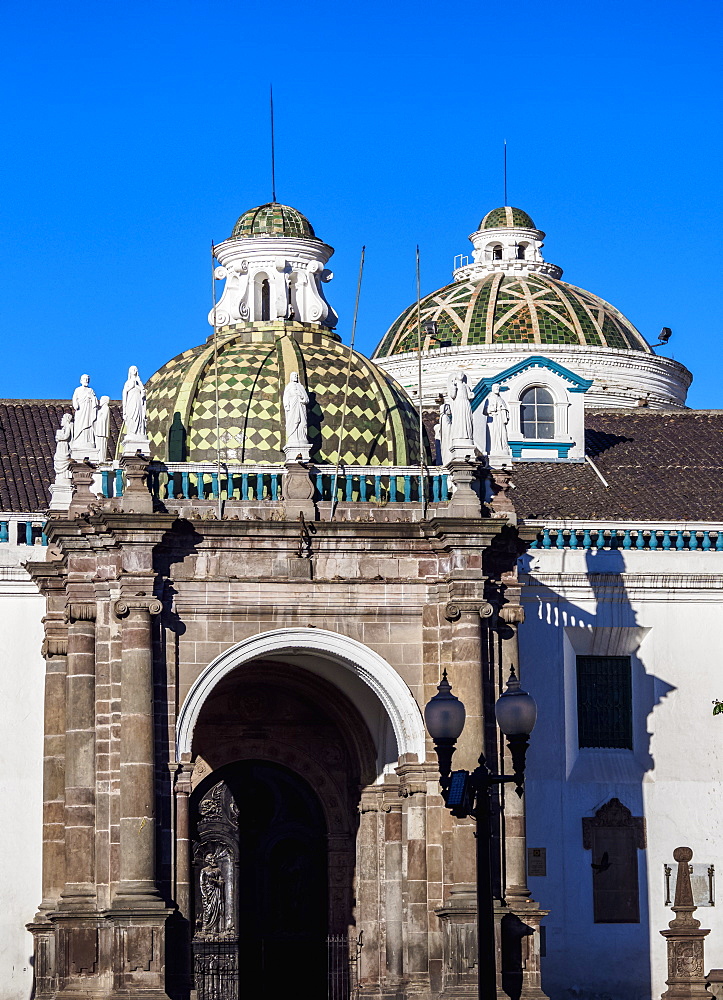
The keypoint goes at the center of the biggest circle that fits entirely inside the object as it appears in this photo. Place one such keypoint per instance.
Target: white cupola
(274, 268)
(507, 242)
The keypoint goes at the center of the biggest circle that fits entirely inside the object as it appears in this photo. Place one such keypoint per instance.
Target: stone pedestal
(464, 502)
(685, 938)
(298, 492)
(82, 497)
(61, 494)
(134, 445)
(459, 935)
(136, 497)
(297, 453)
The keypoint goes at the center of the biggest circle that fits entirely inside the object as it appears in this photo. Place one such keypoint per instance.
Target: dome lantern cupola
(274, 267)
(506, 242)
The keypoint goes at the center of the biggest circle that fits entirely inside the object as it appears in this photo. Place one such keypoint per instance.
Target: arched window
(265, 299)
(497, 252)
(537, 413)
(520, 251)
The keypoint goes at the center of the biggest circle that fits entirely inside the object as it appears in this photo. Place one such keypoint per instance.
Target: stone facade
(179, 649)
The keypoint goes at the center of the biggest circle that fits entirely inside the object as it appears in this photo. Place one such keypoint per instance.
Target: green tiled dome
(505, 309)
(254, 366)
(507, 218)
(273, 220)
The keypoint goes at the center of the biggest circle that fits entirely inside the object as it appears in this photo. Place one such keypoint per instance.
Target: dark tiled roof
(27, 445)
(664, 465)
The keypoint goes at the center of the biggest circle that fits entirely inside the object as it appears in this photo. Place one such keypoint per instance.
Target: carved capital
(454, 609)
(75, 611)
(54, 645)
(125, 605)
(512, 614)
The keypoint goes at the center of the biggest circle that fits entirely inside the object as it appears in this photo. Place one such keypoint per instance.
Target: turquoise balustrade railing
(23, 532)
(642, 539)
(256, 484)
(381, 487)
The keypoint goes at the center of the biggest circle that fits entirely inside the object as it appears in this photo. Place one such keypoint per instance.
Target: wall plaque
(537, 861)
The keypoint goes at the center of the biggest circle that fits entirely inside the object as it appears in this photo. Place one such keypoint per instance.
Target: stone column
(413, 789)
(393, 904)
(137, 756)
(520, 928)
(685, 939)
(79, 890)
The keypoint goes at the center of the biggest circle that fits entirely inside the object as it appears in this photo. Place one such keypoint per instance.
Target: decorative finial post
(686, 965)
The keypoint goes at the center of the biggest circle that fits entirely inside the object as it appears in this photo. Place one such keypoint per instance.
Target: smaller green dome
(507, 218)
(273, 219)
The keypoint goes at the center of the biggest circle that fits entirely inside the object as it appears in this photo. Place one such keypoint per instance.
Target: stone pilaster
(138, 914)
(393, 889)
(413, 789)
(182, 792)
(79, 890)
(368, 885)
(55, 651)
(137, 756)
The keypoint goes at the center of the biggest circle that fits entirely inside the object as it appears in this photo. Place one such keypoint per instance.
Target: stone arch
(358, 662)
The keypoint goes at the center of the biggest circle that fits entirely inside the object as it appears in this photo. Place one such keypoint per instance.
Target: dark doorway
(260, 878)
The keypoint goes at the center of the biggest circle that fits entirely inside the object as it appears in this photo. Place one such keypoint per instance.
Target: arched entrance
(260, 866)
(281, 758)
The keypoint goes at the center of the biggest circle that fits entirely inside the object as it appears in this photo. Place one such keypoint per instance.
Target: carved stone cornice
(125, 605)
(453, 609)
(80, 611)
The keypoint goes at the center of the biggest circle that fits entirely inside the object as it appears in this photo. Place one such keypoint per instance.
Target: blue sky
(134, 134)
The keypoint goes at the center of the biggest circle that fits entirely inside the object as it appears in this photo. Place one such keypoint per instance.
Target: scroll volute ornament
(77, 611)
(125, 605)
(453, 609)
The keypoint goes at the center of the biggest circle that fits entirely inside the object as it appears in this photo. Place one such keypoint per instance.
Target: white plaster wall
(22, 672)
(672, 604)
(620, 378)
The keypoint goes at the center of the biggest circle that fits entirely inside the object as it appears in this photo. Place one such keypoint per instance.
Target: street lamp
(468, 794)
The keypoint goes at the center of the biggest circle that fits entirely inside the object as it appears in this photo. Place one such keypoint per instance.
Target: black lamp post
(468, 794)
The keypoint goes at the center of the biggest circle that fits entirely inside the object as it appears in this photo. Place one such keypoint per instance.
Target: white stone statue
(134, 415)
(498, 417)
(85, 404)
(459, 397)
(61, 492)
(61, 458)
(296, 401)
(443, 433)
(134, 404)
(102, 428)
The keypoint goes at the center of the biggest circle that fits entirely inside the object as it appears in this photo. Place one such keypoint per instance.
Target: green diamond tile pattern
(273, 219)
(507, 218)
(380, 425)
(535, 309)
